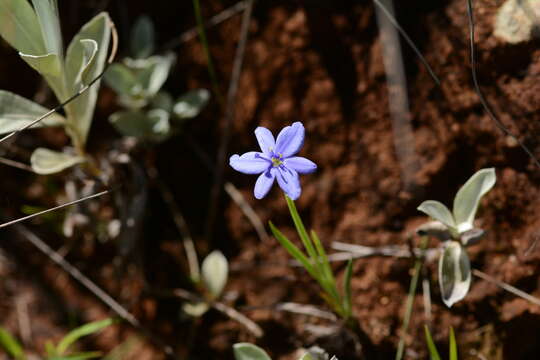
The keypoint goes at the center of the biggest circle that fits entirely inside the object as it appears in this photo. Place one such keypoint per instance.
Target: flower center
(277, 160)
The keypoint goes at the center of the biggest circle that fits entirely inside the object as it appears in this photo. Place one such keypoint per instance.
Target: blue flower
(276, 161)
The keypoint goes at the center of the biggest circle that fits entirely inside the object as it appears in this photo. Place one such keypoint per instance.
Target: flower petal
(250, 163)
(289, 182)
(264, 183)
(265, 139)
(290, 139)
(300, 164)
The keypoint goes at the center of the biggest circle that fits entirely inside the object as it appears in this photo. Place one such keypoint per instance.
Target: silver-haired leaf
(468, 197)
(155, 72)
(214, 272)
(191, 103)
(81, 64)
(436, 229)
(47, 14)
(142, 38)
(163, 100)
(247, 351)
(16, 112)
(153, 125)
(46, 65)
(18, 27)
(438, 211)
(472, 236)
(45, 161)
(121, 79)
(454, 273)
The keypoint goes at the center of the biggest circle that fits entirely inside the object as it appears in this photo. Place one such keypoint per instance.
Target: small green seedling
(149, 113)
(35, 33)
(247, 351)
(457, 230)
(434, 353)
(60, 351)
(316, 263)
(213, 278)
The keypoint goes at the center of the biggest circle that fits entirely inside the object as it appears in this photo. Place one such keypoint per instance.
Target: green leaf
(454, 273)
(121, 79)
(302, 231)
(347, 288)
(214, 271)
(293, 250)
(453, 345)
(142, 37)
(191, 103)
(155, 72)
(246, 351)
(468, 197)
(45, 161)
(85, 330)
(47, 14)
(82, 66)
(306, 356)
(18, 27)
(433, 353)
(11, 345)
(78, 356)
(438, 211)
(163, 100)
(16, 112)
(195, 309)
(153, 125)
(46, 65)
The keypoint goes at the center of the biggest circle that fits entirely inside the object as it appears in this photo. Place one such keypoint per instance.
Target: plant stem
(410, 299)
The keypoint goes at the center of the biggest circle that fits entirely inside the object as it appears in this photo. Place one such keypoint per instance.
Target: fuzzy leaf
(468, 197)
(142, 38)
(154, 72)
(16, 112)
(153, 125)
(83, 65)
(47, 14)
(438, 211)
(247, 351)
(45, 161)
(46, 65)
(454, 273)
(18, 27)
(191, 103)
(121, 79)
(214, 272)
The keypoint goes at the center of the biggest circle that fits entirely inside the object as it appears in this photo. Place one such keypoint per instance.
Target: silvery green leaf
(121, 79)
(153, 125)
(82, 64)
(195, 309)
(142, 37)
(472, 236)
(18, 27)
(45, 161)
(46, 65)
(438, 211)
(191, 103)
(16, 112)
(247, 351)
(468, 197)
(436, 229)
(214, 272)
(163, 100)
(47, 14)
(155, 73)
(454, 273)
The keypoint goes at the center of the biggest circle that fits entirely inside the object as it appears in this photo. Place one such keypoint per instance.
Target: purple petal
(290, 140)
(300, 164)
(264, 183)
(265, 139)
(250, 163)
(289, 182)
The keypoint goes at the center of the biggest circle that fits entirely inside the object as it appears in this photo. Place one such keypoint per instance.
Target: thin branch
(483, 100)
(229, 116)
(213, 21)
(16, 164)
(53, 209)
(114, 48)
(408, 40)
(91, 286)
(520, 293)
(304, 309)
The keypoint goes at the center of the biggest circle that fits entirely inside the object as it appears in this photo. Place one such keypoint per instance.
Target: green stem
(410, 299)
(204, 42)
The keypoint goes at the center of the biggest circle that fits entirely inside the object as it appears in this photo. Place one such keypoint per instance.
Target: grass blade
(11, 345)
(433, 353)
(293, 250)
(301, 229)
(453, 345)
(347, 301)
(87, 329)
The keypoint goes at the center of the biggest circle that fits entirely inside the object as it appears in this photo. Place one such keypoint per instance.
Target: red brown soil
(322, 65)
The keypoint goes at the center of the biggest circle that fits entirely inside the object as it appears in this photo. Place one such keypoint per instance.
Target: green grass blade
(433, 353)
(347, 301)
(453, 345)
(301, 230)
(76, 334)
(323, 262)
(11, 345)
(293, 250)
